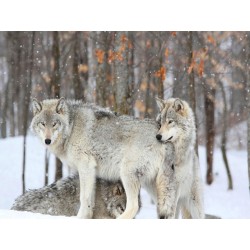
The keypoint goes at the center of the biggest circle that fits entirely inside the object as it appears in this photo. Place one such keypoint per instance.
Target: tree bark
(11, 40)
(224, 137)
(209, 97)
(121, 72)
(103, 68)
(55, 88)
(4, 112)
(30, 54)
(78, 88)
(248, 130)
(191, 79)
(248, 106)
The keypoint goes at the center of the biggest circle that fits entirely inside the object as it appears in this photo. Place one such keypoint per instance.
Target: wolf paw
(82, 215)
(167, 213)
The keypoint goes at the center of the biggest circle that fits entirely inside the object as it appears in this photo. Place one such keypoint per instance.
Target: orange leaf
(166, 53)
(111, 56)
(161, 73)
(190, 68)
(173, 33)
(100, 55)
(143, 86)
(148, 44)
(124, 38)
(118, 56)
(211, 40)
(83, 68)
(114, 56)
(201, 68)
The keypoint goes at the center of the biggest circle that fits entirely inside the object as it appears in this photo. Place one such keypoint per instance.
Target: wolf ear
(37, 106)
(60, 108)
(178, 105)
(160, 103)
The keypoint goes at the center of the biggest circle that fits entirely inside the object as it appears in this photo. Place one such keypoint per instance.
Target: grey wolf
(63, 198)
(177, 125)
(99, 143)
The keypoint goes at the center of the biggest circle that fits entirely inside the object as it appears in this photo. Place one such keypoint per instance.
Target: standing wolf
(98, 143)
(178, 126)
(63, 198)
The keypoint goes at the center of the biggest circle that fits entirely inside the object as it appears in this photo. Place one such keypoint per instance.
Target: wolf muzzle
(158, 137)
(47, 141)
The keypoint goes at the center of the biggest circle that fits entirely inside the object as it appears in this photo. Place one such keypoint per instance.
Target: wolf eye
(42, 123)
(54, 124)
(170, 121)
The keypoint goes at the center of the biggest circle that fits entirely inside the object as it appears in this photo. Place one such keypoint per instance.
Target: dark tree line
(126, 71)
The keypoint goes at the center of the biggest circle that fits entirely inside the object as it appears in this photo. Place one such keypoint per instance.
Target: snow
(25, 230)
(234, 204)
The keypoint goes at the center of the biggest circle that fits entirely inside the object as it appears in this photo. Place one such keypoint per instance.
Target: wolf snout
(47, 141)
(158, 137)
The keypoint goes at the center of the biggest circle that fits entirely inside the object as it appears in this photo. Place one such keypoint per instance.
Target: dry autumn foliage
(161, 73)
(99, 55)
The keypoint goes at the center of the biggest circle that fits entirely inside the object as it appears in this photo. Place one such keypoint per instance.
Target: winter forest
(126, 71)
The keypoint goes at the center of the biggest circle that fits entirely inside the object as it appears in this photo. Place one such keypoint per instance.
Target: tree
(55, 87)
(103, 70)
(191, 80)
(248, 105)
(224, 136)
(120, 57)
(30, 38)
(78, 88)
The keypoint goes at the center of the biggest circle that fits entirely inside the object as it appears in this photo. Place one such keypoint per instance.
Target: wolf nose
(158, 137)
(47, 141)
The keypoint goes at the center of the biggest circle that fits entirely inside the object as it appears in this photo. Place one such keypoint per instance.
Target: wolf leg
(185, 212)
(196, 206)
(193, 205)
(178, 208)
(87, 178)
(131, 186)
(167, 195)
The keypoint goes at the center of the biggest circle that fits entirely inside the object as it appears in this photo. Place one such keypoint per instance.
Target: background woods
(126, 71)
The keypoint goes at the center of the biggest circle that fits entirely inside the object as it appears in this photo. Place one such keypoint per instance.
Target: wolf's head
(50, 120)
(175, 118)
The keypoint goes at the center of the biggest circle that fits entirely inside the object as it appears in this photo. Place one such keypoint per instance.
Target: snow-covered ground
(24, 230)
(218, 200)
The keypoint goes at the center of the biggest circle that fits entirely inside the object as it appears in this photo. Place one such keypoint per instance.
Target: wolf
(177, 125)
(100, 143)
(63, 198)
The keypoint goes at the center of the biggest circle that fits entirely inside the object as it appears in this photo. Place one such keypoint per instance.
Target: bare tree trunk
(248, 131)
(4, 113)
(30, 53)
(121, 72)
(11, 39)
(209, 97)
(131, 74)
(102, 81)
(192, 98)
(248, 106)
(84, 60)
(147, 96)
(224, 137)
(55, 88)
(78, 88)
(55, 81)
